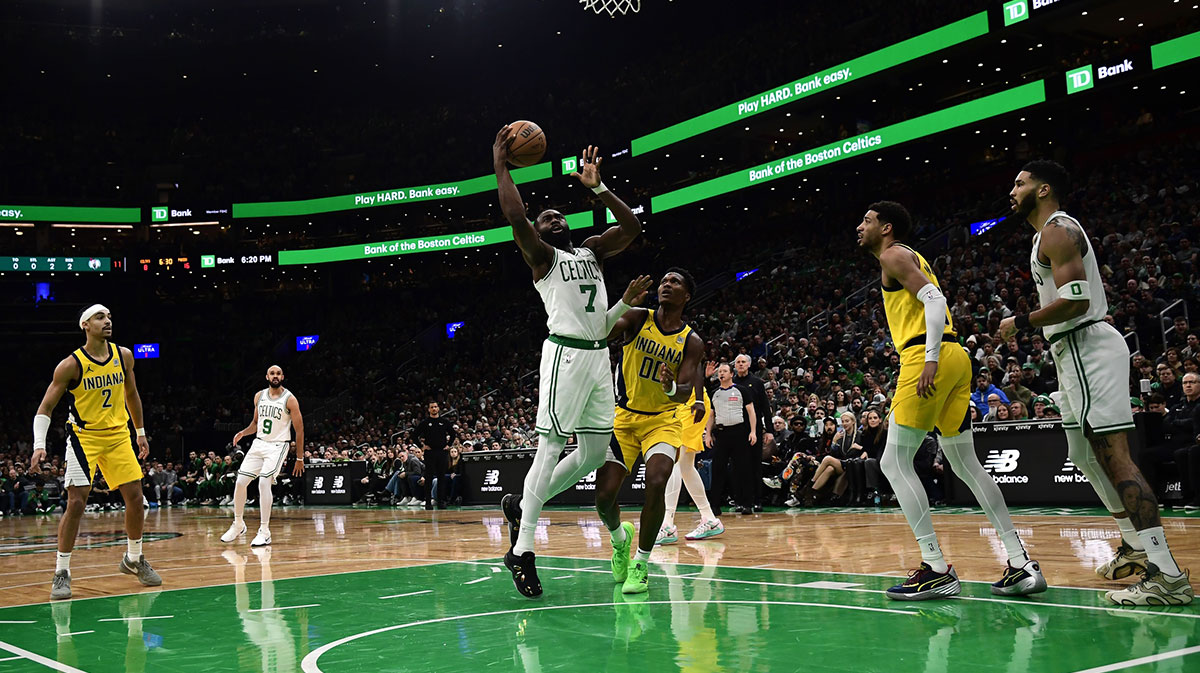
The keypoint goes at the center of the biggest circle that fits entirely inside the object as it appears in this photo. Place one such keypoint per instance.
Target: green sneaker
(620, 557)
(638, 581)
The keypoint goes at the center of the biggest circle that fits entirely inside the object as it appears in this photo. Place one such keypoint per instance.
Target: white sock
(1129, 533)
(931, 553)
(536, 491)
(617, 535)
(265, 498)
(1017, 556)
(695, 486)
(63, 562)
(1155, 540)
(642, 555)
(135, 549)
(674, 485)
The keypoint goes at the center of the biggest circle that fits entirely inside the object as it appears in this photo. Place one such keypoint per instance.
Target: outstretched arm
(537, 253)
(1063, 244)
(689, 372)
(617, 238)
(634, 295)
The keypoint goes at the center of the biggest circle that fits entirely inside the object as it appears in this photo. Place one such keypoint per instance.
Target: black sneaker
(510, 504)
(524, 573)
(757, 507)
(428, 505)
(923, 584)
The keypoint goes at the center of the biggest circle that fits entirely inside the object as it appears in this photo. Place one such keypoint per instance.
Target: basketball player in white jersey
(1093, 373)
(276, 412)
(575, 389)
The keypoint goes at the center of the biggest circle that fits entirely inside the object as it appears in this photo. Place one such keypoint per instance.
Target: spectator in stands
(1017, 411)
(1180, 427)
(1192, 349)
(873, 439)
(452, 481)
(983, 389)
(1017, 389)
(1168, 385)
(1177, 335)
(994, 406)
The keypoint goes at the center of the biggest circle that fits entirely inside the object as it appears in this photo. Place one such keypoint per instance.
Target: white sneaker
(263, 538)
(235, 531)
(773, 482)
(792, 502)
(706, 529)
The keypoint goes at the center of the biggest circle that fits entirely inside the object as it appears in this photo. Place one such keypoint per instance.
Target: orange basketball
(526, 144)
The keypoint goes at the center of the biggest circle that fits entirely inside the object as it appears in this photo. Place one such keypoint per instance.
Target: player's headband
(91, 311)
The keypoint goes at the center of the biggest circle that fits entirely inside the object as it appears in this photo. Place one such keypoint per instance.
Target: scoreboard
(98, 264)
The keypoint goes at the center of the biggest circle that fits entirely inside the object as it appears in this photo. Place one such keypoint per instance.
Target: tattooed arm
(1063, 244)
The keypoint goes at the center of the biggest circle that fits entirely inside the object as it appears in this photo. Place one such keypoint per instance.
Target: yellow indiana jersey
(906, 313)
(638, 387)
(97, 401)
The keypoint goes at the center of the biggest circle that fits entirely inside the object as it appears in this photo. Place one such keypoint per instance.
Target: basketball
(527, 144)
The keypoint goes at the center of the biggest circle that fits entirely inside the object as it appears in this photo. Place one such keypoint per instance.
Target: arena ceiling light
(16, 224)
(89, 226)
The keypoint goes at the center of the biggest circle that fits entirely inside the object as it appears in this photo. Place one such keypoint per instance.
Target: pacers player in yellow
(932, 392)
(660, 366)
(694, 417)
(102, 396)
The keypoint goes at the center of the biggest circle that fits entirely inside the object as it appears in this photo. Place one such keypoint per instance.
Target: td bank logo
(1079, 79)
(1000, 463)
(569, 165)
(1015, 12)
(159, 214)
(208, 261)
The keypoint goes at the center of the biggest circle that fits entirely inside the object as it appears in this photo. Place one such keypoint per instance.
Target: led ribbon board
(473, 239)
(387, 197)
(67, 214)
(1175, 51)
(99, 264)
(887, 136)
(868, 64)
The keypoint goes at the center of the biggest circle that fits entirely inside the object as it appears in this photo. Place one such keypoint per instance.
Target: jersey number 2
(590, 290)
(107, 392)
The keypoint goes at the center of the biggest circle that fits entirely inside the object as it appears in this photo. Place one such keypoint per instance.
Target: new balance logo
(491, 477)
(1070, 474)
(318, 482)
(1001, 461)
(338, 481)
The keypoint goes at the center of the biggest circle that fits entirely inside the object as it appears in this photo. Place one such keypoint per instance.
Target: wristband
(141, 432)
(600, 188)
(674, 389)
(1022, 322)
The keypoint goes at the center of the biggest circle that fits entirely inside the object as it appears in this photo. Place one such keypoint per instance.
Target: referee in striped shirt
(731, 432)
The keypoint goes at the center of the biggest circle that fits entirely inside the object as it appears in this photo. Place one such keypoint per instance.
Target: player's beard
(1026, 206)
(560, 240)
(275, 385)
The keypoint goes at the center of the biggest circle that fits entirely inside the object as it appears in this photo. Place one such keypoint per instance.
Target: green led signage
(68, 214)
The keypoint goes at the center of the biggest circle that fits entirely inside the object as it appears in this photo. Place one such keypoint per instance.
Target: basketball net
(612, 6)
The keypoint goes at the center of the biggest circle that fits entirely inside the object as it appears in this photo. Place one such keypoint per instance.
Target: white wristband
(674, 388)
(141, 432)
(1076, 290)
(600, 188)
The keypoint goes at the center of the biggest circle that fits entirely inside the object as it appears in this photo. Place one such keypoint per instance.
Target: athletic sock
(1155, 541)
(617, 534)
(135, 549)
(931, 553)
(1130, 534)
(1017, 556)
(63, 562)
(642, 555)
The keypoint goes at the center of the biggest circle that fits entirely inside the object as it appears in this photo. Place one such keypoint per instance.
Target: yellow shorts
(635, 434)
(692, 433)
(109, 450)
(947, 409)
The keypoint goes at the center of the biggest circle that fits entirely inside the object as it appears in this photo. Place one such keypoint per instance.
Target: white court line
(1025, 602)
(39, 659)
(290, 607)
(76, 633)
(481, 579)
(11, 658)
(228, 584)
(134, 619)
(309, 664)
(411, 593)
(18, 621)
(561, 577)
(1142, 660)
(823, 572)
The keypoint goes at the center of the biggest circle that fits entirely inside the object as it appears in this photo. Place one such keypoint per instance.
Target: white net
(613, 7)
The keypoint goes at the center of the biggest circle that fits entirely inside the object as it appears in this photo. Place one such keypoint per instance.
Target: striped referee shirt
(729, 405)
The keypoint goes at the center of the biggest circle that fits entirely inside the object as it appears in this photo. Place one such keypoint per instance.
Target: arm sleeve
(935, 320)
(41, 425)
(614, 314)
